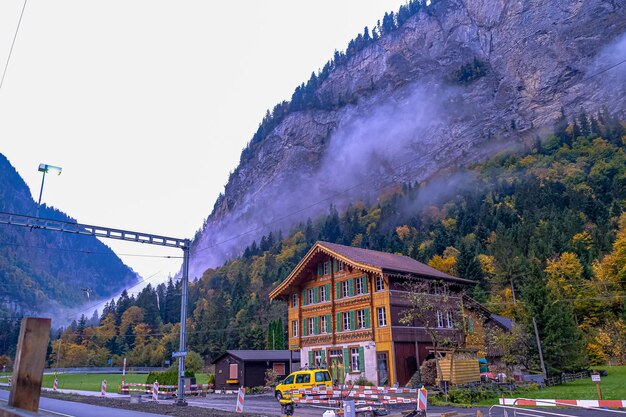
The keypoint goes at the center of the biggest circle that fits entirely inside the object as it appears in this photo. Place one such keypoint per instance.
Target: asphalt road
(73, 409)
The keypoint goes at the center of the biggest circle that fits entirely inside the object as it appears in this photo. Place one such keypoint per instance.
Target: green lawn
(91, 382)
(613, 387)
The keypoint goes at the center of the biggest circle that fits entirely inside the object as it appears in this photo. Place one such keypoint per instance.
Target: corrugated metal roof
(505, 322)
(261, 355)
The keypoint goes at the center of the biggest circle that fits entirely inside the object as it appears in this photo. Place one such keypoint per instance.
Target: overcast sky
(147, 104)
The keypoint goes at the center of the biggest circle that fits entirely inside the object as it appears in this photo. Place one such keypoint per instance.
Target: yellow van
(305, 379)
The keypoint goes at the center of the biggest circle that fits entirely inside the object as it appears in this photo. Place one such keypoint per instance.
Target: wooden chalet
(236, 368)
(344, 310)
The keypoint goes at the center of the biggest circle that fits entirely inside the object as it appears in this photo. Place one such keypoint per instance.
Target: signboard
(179, 354)
(349, 409)
(595, 378)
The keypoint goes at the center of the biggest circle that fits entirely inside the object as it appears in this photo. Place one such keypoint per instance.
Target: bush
(169, 377)
(470, 72)
(361, 380)
(271, 378)
(428, 371)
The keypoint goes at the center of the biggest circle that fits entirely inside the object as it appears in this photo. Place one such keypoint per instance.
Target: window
(382, 316)
(233, 370)
(380, 283)
(323, 324)
(311, 326)
(470, 325)
(327, 268)
(310, 295)
(340, 266)
(303, 378)
(359, 286)
(354, 362)
(279, 368)
(346, 321)
(323, 294)
(294, 328)
(294, 300)
(288, 380)
(345, 289)
(317, 358)
(360, 319)
(322, 376)
(439, 317)
(449, 322)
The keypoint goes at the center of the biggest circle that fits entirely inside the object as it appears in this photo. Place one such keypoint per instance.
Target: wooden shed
(459, 369)
(247, 368)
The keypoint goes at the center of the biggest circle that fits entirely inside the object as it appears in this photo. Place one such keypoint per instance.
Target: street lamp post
(45, 168)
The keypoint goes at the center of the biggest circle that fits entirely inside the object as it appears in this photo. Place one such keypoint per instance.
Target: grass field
(91, 382)
(613, 387)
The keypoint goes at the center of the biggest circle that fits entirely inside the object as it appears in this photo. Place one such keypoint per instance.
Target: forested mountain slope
(44, 271)
(428, 89)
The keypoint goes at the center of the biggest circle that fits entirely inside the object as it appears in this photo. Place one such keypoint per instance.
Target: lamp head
(50, 169)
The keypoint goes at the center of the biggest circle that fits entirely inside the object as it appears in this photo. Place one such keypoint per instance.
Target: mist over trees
(543, 232)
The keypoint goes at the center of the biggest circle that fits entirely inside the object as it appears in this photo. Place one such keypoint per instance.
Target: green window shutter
(320, 270)
(334, 265)
(327, 286)
(316, 294)
(316, 325)
(338, 322)
(364, 281)
(328, 324)
(311, 364)
(361, 359)
(470, 323)
(366, 313)
(303, 297)
(351, 287)
(346, 360)
(352, 320)
(323, 352)
(338, 293)
(304, 327)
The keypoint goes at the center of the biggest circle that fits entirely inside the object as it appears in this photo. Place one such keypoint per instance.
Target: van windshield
(288, 380)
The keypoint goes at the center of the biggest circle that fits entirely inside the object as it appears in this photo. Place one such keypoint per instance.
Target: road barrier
(165, 389)
(103, 389)
(563, 403)
(155, 391)
(241, 395)
(56, 384)
(361, 394)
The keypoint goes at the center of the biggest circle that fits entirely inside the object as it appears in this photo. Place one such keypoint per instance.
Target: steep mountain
(434, 88)
(42, 271)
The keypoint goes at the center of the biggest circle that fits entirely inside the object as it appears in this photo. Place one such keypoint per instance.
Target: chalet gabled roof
(370, 261)
(259, 355)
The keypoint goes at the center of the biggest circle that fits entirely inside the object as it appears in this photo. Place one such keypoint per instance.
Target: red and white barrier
(241, 395)
(168, 389)
(10, 380)
(55, 386)
(103, 388)
(422, 400)
(155, 391)
(563, 403)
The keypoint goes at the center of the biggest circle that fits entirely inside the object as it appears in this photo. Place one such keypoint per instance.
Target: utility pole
(183, 325)
(543, 366)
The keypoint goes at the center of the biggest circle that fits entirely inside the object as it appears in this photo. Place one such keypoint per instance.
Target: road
(74, 409)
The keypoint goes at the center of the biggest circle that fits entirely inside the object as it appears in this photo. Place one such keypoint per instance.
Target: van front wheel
(278, 395)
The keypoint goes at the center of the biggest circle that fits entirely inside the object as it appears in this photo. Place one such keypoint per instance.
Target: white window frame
(346, 320)
(317, 358)
(294, 300)
(309, 296)
(354, 359)
(358, 286)
(382, 316)
(439, 317)
(345, 288)
(449, 321)
(326, 268)
(323, 294)
(323, 323)
(380, 283)
(340, 266)
(311, 325)
(294, 328)
(360, 319)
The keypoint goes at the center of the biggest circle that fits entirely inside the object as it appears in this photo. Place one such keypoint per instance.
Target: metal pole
(43, 178)
(183, 325)
(59, 352)
(543, 366)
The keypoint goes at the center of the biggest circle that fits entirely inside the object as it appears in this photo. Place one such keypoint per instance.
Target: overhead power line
(17, 29)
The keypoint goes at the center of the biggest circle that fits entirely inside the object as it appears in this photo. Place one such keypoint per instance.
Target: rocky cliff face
(411, 115)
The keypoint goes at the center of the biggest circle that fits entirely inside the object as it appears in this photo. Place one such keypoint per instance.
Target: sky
(147, 104)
